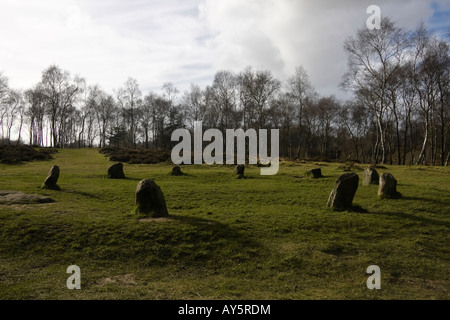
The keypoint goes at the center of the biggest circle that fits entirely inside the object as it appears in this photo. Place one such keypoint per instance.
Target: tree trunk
(382, 140)
(421, 157)
(405, 137)
(399, 143)
(20, 130)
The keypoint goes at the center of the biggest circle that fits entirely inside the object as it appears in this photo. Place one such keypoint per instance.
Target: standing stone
(314, 173)
(239, 170)
(150, 200)
(176, 171)
(52, 179)
(370, 176)
(342, 195)
(116, 171)
(388, 187)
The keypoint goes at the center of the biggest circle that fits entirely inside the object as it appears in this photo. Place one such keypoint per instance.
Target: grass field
(264, 237)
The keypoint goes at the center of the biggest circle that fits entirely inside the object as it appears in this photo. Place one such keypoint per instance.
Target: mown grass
(264, 237)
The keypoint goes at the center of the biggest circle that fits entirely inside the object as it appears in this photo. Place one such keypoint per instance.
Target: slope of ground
(264, 237)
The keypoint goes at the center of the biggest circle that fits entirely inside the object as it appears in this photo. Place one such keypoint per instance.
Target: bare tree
(222, 97)
(3, 87)
(327, 111)
(35, 98)
(105, 112)
(194, 104)
(374, 57)
(148, 118)
(4, 90)
(129, 99)
(14, 102)
(432, 84)
(175, 113)
(283, 117)
(300, 89)
(60, 93)
(257, 91)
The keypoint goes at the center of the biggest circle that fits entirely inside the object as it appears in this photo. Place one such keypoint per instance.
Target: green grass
(264, 237)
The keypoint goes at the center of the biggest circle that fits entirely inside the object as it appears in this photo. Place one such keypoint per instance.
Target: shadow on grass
(14, 164)
(183, 174)
(408, 216)
(441, 202)
(81, 193)
(354, 208)
(119, 179)
(218, 229)
(195, 240)
(130, 179)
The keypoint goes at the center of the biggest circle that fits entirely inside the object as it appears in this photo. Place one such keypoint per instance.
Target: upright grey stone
(52, 179)
(239, 170)
(176, 171)
(314, 173)
(370, 176)
(150, 200)
(116, 171)
(344, 190)
(388, 187)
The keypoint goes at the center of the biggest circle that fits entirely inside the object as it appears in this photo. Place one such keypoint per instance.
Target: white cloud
(106, 47)
(282, 34)
(185, 41)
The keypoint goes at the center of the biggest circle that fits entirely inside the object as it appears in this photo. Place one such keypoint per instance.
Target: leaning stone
(52, 179)
(116, 171)
(239, 170)
(342, 195)
(370, 177)
(388, 187)
(150, 200)
(176, 171)
(314, 173)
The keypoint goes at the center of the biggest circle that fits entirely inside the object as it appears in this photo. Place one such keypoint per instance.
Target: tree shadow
(408, 216)
(193, 241)
(353, 208)
(447, 203)
(213, 231)
(14, 164)
(81, 193)
(183, 174)
(130, 179)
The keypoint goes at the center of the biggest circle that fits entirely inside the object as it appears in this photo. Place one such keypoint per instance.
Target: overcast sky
(187, 41)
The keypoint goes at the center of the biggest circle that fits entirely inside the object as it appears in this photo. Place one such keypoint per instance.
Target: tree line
(399, 112)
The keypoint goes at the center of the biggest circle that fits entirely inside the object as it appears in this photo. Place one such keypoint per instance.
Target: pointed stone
(344, 191)
(150, 200)
(388, 187)
(370, 177)
(52, 179)
(176, 171)
(314, 173)
(239, 170)
(116, 171)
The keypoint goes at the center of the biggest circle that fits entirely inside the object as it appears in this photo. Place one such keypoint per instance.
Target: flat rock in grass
(52, 179)
(388, 187)
(314, 173)
(116, 171)
(370, 177)
(19, 197)
(176, 171)
(150, 201)
(239, 170)
(341, 197)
